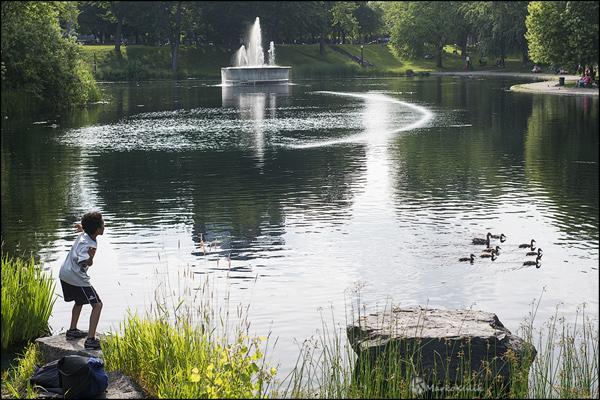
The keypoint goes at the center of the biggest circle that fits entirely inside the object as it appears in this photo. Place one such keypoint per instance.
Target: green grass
(190, 345)
(14, 379)
(137, 62)
(27, 300)
(566, 366)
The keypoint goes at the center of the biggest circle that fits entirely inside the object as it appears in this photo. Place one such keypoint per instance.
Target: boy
(75, 281)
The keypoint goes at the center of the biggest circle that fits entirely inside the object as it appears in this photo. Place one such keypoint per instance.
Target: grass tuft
(27, 300)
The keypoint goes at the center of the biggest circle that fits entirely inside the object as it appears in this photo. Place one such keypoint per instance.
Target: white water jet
(271, 53)
(249, 63)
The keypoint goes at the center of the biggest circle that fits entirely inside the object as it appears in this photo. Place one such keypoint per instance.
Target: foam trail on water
(362, 137)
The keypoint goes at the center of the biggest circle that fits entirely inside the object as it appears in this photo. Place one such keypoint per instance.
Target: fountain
(250, 67)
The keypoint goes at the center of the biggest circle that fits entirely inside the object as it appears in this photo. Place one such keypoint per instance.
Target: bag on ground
(74, 377)
(47, 377)
(82, 377)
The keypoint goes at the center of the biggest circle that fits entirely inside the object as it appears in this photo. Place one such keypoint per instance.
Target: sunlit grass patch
(189, 346)
(14, 379)
(27, 300)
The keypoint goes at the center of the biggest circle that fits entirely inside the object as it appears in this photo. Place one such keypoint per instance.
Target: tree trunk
(439, 60)
(176, 38)
(525, 53)
(273, 35)
(322, 48)
(175, 56)
(119, 13)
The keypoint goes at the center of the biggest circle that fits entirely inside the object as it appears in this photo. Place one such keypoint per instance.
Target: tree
(419, 28)
(563, 32)
(500, 26)
(38, 59)
(343, 20)
(370, 18)
(171, 12)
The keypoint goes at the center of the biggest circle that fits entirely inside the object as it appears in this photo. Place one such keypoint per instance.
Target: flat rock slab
(57, 346)
(120, 386)
(439, 342)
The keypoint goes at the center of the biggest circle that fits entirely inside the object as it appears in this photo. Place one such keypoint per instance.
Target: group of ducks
(493, 252)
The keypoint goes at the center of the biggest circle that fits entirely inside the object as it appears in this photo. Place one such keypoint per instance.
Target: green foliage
(343, 20)
(14, 379)
(39, 60)
(419, 28)
(500, 26)
(189, 352)
(563, 32)
(27, 300)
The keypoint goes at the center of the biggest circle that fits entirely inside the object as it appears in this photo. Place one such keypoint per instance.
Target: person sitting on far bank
(75, 281)
(580, 82)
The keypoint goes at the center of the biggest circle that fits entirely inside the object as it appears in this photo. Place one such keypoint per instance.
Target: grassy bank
(191, 345)
(137, 62)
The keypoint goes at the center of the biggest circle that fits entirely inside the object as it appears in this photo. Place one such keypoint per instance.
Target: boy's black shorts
(81, 294)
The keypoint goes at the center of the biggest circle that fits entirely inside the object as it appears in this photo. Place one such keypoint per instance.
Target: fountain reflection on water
(249, 63)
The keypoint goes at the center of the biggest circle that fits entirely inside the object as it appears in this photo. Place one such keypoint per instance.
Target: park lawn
(207, 61)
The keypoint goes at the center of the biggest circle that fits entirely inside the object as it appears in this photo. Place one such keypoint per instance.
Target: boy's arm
(92, 252)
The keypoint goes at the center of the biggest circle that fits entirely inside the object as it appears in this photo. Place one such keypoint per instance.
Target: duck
(491, 255)
(536, 262)
(539, 252)
(482, 240)
(501, 236)
(490, 249)
(471, 258)
(524, 245)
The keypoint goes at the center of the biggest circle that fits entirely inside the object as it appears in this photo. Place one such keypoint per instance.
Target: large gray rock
(440, 345)
(120, 386)
(57, 346)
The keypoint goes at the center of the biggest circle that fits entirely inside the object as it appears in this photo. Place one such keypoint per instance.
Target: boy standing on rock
(75, 281)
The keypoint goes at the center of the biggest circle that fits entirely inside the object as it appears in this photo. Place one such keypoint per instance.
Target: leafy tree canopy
(563, 32)
(39, 57)
(422, 27)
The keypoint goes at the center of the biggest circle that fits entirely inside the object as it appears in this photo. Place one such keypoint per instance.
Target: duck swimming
(491, 255)
(490, 249)
(539, 252)
(471, 258)
(501, 236)
(482, 240)
(536, 262)
(524, 245)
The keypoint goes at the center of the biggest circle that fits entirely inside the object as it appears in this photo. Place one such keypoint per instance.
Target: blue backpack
(74, 377)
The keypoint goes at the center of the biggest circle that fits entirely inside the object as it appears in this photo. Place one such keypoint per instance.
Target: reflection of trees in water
(229, 195)
(567, 169)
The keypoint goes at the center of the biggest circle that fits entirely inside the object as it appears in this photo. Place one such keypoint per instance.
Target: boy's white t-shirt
(74, 268)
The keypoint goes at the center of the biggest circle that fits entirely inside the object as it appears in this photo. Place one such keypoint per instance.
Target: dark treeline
(39, 37)
(227, 22)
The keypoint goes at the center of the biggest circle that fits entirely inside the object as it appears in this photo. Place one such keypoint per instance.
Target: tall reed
(27, 300)
(187, 346)
(327, 367)
(567, 361)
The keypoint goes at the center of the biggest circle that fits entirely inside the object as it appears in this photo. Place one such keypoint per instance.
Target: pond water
(302, 201)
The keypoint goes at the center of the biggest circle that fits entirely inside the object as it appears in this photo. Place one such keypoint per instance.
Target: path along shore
(546, 83)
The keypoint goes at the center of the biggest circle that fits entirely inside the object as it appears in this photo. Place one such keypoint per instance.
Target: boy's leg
(94, 318)
(75, 315)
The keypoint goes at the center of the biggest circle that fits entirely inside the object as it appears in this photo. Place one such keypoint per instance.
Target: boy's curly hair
(91, 222)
